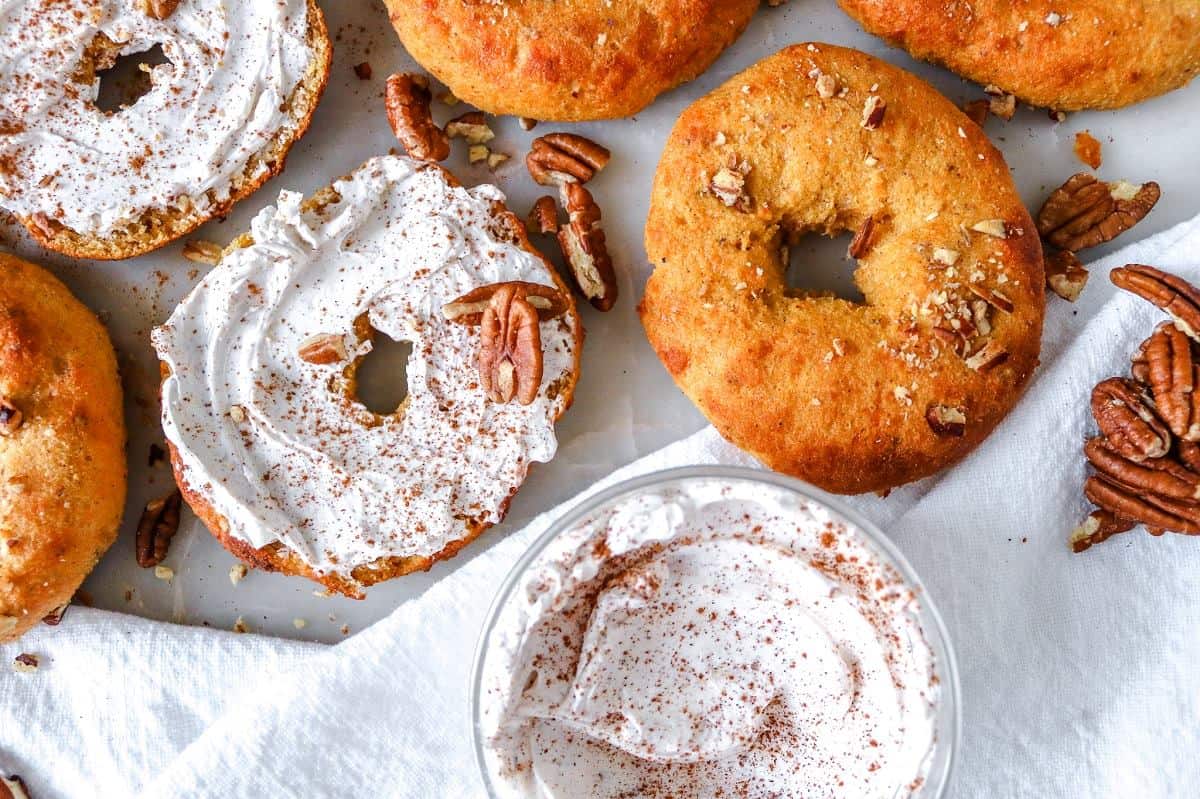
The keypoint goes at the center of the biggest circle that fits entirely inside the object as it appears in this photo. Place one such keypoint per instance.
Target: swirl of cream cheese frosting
(277, 446)
(710, 638)
(233, 65)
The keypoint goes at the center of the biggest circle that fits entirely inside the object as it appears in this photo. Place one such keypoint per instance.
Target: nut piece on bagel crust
(828, 390)
(278, 455)
(242, 81)
(568, 61)
(1069, 55)
(63, 486)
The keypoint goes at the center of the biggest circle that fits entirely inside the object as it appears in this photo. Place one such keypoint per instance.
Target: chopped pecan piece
(1159, 512)
(1179, 298)
(203, 252)
(1065, 275)
(407, 100)
(469, 309)
(873, 112)
(54, 618)
(15, 786)
(860, 245)
(363, 71)
(510, 353)
(1160, 476)
(987, 357)
(1084, 211)
(156, 528)
(471, 126)
(158, 9)
(992, 297)
(1100, 525)
(1000, 103)
(996, 228)
(543, 217)
(585, 249)
(946, 420)
(323, 349)
(26, 662)
(729, 185)
(559, 158)
(1127, 420)
(11, 417)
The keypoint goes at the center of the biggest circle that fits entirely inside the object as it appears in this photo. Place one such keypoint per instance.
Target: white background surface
(626, 405)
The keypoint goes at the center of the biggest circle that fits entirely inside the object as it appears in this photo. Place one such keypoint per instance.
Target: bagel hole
(125, 82)
(382, 375)
(822, 265)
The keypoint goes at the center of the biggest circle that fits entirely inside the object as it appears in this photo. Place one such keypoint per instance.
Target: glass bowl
(948, 714)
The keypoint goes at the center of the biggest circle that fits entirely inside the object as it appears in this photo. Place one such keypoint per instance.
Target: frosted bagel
(62, 445)
(1068, 55)
(270, 444)
(568, 61)
(241, 85)
(850, 397)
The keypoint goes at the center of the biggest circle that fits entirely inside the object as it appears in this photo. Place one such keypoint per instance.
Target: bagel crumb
(237, 573)
(239, 626)
(299, 623)
(164, 573)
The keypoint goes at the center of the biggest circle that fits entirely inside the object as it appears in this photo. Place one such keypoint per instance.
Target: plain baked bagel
(567, 60)
(1067, 55)
(62, 445)
(851, 397)
(239, 87)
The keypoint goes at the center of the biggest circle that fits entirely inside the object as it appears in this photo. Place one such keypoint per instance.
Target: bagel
(850, 397)
(271, 446)
(62, 445)
(567, 61)
(1069, 55)
(240, 87)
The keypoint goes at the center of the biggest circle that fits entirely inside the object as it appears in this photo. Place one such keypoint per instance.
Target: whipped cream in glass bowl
(714, 632)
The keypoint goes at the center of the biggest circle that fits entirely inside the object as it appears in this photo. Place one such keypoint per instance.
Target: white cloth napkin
(1080, 673)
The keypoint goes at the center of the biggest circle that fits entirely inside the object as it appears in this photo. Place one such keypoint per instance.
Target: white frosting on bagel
(234, 63)
(297, 461)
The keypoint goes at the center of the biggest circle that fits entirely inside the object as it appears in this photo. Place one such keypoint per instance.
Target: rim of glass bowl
(931, 619)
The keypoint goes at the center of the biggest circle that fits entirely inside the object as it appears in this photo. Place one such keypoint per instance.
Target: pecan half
(14, 786)
(158, 9)
(1189, 455)
(156, 528)
(471, 126)
(559, 158)
(407, 100)
(1159, 476)
(469, 309)
(585, 249)
(1172, 375)
(729, 185)
(11, 417)
(1065, 275)
(1100, 525)
(860, 245)
(543, 217)
(1179, 298)
(323, 349)
(510, 353)
(1179, 517)
(1127, 420)
(1084, 211)
(946, 420)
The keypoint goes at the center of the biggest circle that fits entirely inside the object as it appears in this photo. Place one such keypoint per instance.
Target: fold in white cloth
(1079, 672)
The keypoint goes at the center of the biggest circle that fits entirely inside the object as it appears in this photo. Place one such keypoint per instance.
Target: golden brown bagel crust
(159, 227)
(567, 60)
(818, 387)
(62, 472)
(1067, 55)
(276, 557)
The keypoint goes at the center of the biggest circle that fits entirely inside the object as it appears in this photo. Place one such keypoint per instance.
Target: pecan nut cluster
(1146, 459)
